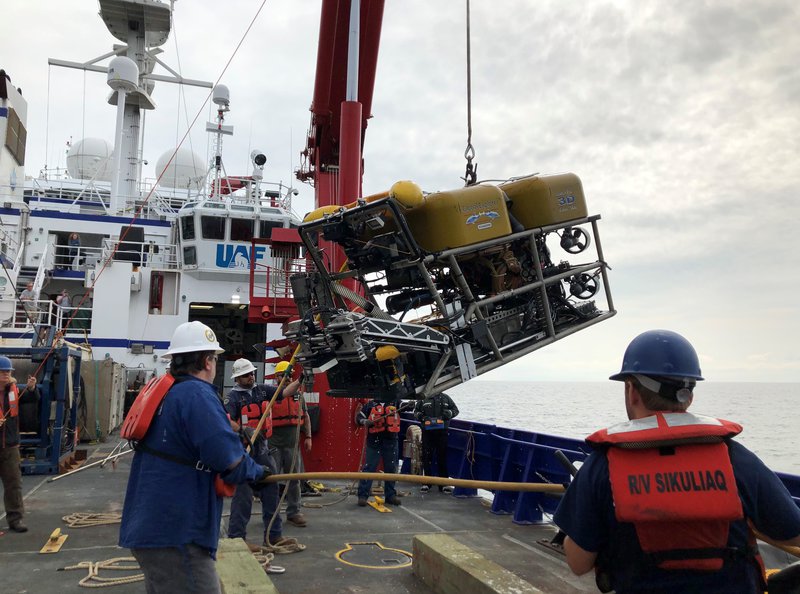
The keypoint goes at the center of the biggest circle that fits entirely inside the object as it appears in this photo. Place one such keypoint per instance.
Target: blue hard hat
(5, 364)
(660, 353)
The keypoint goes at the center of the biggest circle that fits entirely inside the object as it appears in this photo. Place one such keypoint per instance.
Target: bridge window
(190, 256)
(242, 229)
(187, 227)
(212, 227)
(265, 228)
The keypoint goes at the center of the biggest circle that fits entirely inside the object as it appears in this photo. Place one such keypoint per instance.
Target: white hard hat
(241, 367)
(191, 337)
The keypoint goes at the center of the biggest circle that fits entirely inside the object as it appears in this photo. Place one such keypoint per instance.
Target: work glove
(260, 483)
(288, 371)
(368, 423)
(250, 437)
(447, 415)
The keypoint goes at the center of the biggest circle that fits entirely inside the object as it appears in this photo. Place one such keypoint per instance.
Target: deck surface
(330, 528)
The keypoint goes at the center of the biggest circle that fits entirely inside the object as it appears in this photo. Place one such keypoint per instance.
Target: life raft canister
(385, 418)
(671, 477)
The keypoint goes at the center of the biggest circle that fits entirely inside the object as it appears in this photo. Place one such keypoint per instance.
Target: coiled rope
(93, 579)
(88, 519)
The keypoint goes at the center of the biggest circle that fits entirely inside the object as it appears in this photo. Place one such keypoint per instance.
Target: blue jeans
(242, 502)
(381, 449)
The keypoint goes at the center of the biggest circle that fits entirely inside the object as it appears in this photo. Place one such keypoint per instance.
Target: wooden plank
(239, 572)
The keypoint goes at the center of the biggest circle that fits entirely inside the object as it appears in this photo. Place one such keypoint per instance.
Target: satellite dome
(91, 158)
(187, 170)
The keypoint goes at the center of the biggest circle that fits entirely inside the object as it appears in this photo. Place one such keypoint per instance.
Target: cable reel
(574, 240)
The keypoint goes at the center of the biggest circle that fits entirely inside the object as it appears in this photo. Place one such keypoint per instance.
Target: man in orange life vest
(245, 404)
(10, 472)
(382, 422)
(664, 501)
(291, 426)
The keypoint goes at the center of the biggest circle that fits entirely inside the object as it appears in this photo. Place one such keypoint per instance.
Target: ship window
(271, 210)
(187, 227)
(190, 256)
(242, 229)
(242, 207)
(212, 227)
(265, 228)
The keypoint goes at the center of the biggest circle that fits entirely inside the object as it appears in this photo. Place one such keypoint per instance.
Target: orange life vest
(251, 415)
(144, 408)
(385, 418)
(287, 411)
(671, 477)
(13, 402)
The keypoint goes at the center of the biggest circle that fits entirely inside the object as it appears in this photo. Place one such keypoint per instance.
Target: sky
(681, 118)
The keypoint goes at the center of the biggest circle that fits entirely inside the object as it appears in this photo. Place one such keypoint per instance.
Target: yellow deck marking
(349, 547)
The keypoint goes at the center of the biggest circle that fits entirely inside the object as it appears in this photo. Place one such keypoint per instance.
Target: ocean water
(765, 410)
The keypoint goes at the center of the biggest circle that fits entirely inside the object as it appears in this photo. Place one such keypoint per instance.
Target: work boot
(278, 541)
(254, 548)
(393, 500)
(362, 502)
(298, 520)
(18, 526)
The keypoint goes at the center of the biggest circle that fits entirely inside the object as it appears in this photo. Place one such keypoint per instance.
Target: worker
(291, 426)
(382, 422)
(10, 472)
(172, 510)
(665, 501)
(245, 404)
(434, 414)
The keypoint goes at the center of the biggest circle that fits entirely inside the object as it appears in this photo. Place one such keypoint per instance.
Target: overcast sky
(682, 119)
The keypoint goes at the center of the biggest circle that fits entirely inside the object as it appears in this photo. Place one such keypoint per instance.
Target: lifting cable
(471, 174)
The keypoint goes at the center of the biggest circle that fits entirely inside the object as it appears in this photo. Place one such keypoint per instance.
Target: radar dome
(91, 158)
(187, 170)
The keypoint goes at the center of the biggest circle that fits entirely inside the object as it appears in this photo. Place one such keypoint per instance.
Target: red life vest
(251, 415)
(287, 411)
(671, 477)
(385, 418)
(144, 408)
(13, 402)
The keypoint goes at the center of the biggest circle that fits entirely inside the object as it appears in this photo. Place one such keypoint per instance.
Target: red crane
(347, 58)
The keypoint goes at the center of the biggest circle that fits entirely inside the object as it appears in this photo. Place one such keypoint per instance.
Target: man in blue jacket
(172, 511)
(667, 501)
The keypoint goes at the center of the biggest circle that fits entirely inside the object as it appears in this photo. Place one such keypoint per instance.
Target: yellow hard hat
(281, 367)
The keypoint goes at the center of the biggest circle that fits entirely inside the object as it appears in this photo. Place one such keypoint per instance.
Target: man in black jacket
(434, 413)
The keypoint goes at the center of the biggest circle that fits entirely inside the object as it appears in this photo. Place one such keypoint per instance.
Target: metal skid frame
(460, 316)
(58, 409)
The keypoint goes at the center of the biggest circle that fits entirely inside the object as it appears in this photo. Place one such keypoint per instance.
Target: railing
(81, 258)
(46, 311)
(144, 253)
